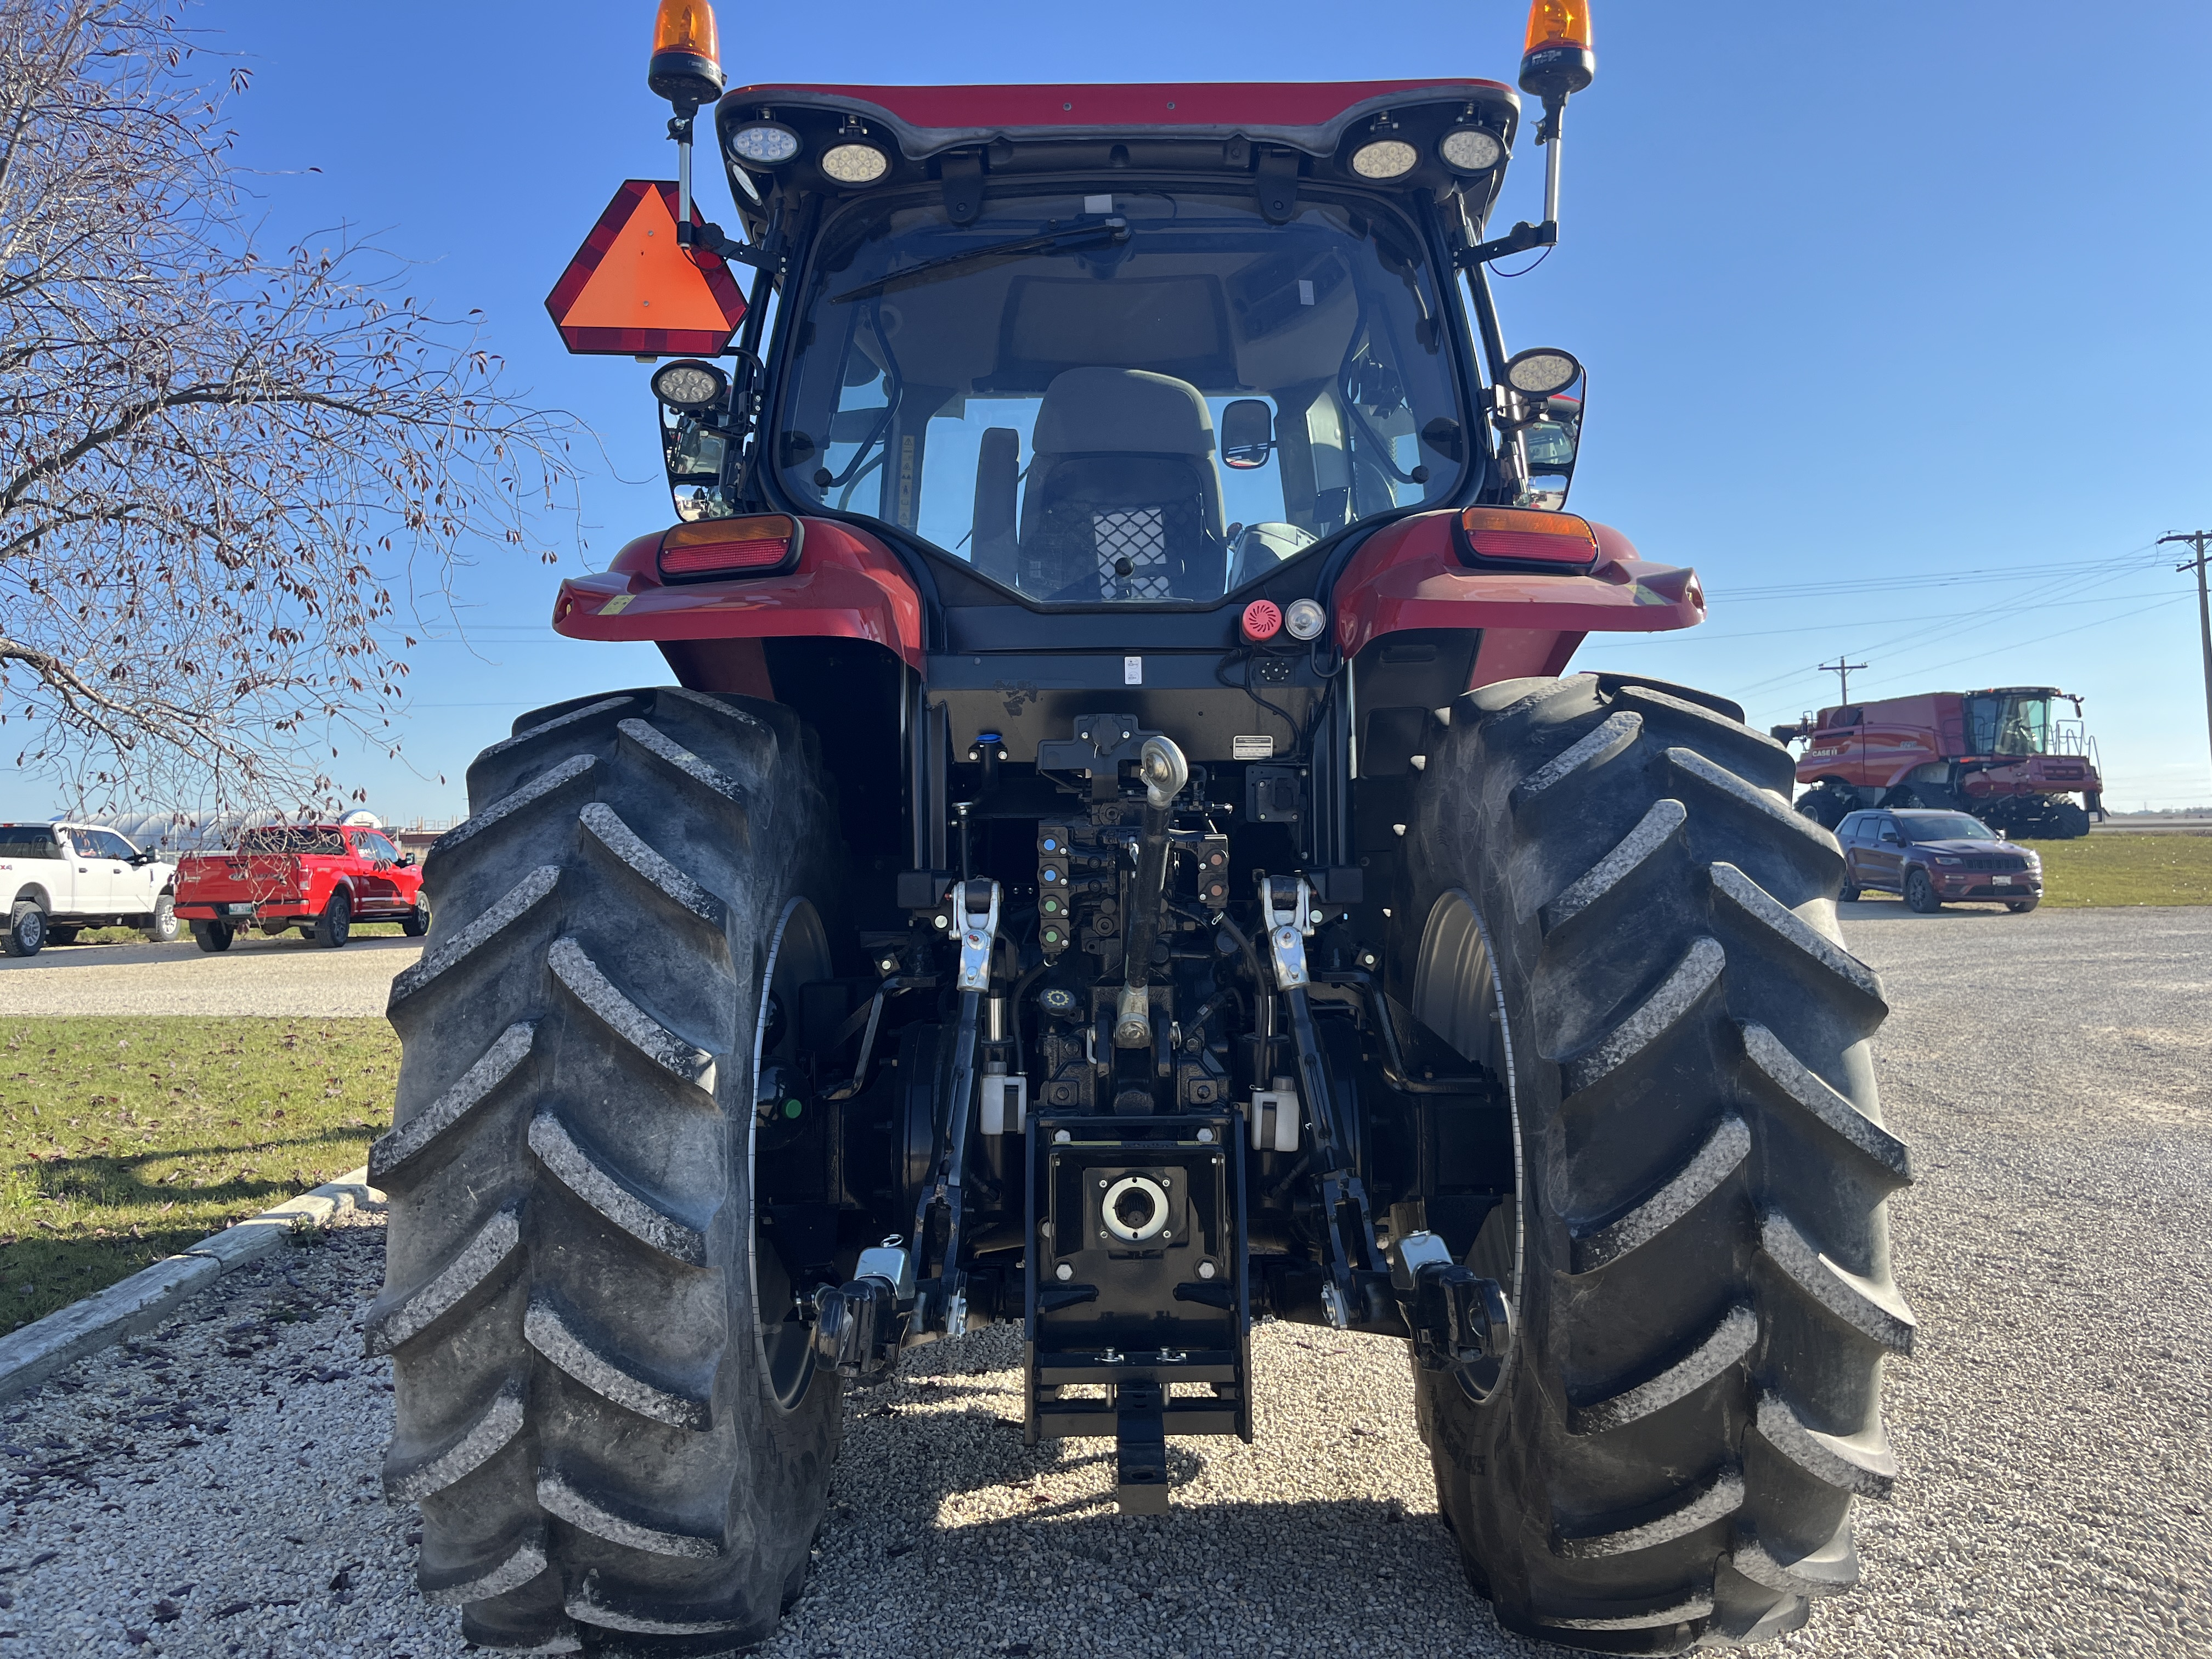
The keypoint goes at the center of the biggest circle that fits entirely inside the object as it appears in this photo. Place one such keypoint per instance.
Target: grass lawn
(2104, 872)
(2126, 870)
(126, 1139)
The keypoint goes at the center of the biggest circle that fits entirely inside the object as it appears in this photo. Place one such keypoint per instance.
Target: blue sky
(1871, 295)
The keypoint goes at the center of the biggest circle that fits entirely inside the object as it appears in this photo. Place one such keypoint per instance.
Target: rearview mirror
(693, 452)
(1247, 433)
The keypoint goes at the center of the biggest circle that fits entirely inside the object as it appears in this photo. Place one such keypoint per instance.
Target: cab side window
(375, 847)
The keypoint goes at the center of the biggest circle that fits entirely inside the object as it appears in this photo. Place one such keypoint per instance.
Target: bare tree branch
(223, 475)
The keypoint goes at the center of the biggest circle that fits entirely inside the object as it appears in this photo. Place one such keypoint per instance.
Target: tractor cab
(1148, 369)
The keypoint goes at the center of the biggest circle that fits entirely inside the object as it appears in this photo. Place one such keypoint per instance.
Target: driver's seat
(1122, 501)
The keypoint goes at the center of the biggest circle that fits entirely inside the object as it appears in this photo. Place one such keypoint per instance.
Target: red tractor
(1997, 754)
(1120, 858)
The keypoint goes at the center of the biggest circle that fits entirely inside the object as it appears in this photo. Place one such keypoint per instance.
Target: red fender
(1410, 573)
(847, 586)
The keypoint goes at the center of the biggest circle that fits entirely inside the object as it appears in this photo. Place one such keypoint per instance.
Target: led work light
(763, 144)
(855, 164)
(1471, 149)
(1384, 158)
(688, 386)
(1542, 370)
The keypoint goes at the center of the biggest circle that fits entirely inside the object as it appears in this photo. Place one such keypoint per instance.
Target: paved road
(2053, 1072)
(284, 976)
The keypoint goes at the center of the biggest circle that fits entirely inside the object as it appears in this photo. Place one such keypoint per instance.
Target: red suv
(1935, 859)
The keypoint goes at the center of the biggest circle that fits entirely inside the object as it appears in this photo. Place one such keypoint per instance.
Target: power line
(1842, 671)
(1702, 636)
(1972, 576)
(2059, 591)
(2197, 539)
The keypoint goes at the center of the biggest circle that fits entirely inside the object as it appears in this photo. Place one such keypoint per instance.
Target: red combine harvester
(1120, 859)
(1997, 754)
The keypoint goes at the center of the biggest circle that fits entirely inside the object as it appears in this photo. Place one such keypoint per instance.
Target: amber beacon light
(1557, 57)
(687, 55)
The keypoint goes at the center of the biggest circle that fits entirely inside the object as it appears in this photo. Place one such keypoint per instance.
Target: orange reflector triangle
(631, 290)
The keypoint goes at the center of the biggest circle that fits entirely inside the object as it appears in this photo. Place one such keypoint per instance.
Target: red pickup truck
(318, 878)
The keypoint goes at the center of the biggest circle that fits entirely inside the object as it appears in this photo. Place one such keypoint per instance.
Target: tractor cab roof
(1308, 115)
(1197, 127)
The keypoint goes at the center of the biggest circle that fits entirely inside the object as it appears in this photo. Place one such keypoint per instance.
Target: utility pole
(2197, 539)
(1842, 671)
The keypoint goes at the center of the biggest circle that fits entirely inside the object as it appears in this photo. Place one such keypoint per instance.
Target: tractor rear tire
(610, 1451)
(1620, 913)
(2066, 822)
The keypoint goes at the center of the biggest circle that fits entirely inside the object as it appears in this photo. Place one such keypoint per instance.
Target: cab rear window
(321, 842)
(19, 841)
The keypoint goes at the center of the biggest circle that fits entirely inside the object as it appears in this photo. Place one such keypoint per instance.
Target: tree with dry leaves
(230, 482)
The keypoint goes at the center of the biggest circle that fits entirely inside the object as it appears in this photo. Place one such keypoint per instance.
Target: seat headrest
(1088, 411)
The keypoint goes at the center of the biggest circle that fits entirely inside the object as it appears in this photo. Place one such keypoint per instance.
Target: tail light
(763, 546)
(1518, 536)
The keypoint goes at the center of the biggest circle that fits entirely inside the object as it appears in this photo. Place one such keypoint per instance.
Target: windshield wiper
(1111, 232)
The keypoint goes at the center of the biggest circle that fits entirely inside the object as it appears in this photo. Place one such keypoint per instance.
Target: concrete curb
(30, 1356)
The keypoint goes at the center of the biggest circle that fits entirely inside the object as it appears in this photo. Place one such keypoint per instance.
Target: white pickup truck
(56, 879)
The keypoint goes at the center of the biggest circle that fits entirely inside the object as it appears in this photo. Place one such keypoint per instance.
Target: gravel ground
(213, 1489)
(280, 977)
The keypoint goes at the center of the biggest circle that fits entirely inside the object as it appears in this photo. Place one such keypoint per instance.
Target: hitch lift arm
(1357, 1274)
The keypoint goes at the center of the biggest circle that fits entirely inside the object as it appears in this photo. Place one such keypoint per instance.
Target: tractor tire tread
(581, 1409)
(1706, 1286)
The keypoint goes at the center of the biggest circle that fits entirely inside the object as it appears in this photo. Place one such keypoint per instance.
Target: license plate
(1999, 881)
(238, 910)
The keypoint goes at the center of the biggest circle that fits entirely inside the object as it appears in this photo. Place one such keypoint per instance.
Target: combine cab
(1997, 754)
(1120, 859)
